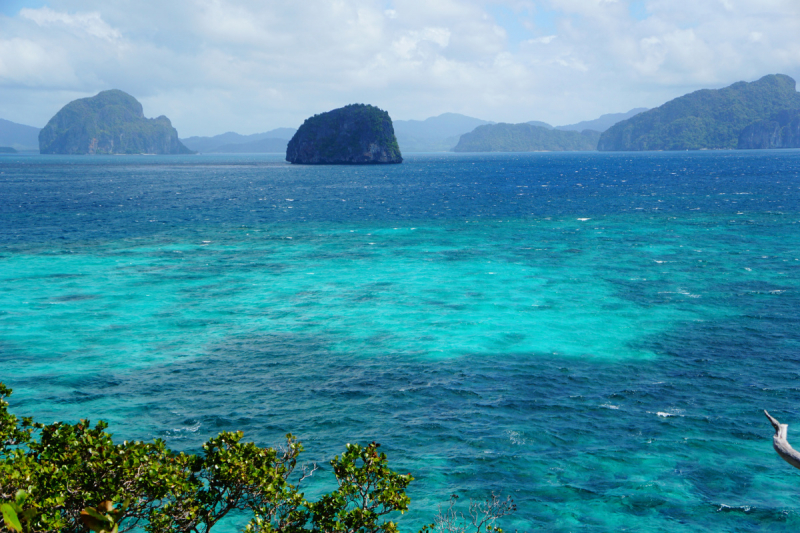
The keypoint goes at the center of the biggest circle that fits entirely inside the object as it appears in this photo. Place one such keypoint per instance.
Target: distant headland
(709, 119)
(356, 134)
(112, 122)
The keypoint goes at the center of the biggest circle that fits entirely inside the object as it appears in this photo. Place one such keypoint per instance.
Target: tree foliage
(73, 478)
(69, 477)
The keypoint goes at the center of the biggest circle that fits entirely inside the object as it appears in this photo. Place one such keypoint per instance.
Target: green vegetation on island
(705, 119)
(525, 138)
(351, 135)
(112, 122)
(782, 130)
(72, 478)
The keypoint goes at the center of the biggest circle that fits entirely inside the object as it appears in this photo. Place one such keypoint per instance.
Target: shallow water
(592, 334)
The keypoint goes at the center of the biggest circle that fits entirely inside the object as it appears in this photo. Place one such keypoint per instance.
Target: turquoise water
(592, 334)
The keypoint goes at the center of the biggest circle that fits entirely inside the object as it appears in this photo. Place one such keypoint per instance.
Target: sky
(250, 66)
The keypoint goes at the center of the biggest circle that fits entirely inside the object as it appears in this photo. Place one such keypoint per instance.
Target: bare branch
(306, 472)
(483, 515)
(781, 444)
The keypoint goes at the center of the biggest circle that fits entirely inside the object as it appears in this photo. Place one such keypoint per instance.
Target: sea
(594, 335)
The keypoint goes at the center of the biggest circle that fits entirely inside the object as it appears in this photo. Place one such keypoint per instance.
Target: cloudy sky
(253, 65)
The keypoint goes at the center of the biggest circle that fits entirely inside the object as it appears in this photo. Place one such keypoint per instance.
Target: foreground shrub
(73, 477)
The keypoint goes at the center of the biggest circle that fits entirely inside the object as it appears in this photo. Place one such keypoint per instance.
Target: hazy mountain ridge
(19, 136)
(541, 124)
(704, 119)
(434, 134)
(231, 142)
(603, 122)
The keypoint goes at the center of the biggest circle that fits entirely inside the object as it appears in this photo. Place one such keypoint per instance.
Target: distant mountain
(434, 134)
(781, 130)
(234, 143)
(540, 124)
(112, 122)
(525, 138)
(19, 136)
(705, 119)
(603, 123)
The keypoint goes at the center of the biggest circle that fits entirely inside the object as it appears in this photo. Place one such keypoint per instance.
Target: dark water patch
(75, 297)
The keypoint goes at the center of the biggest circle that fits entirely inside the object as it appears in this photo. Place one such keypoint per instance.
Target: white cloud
(547, 39)
(249, 65)
(27, 63)
(411, 43)
(82, 23)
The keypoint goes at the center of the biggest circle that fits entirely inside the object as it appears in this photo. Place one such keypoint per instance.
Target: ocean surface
(592, 334)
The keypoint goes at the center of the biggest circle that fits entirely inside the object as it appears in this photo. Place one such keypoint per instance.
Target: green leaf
(21, 497)
(10, 518)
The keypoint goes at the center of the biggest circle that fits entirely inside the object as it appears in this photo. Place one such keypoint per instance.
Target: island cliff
(781, 130)
(705, 119)
(356, 134)
(112, 122)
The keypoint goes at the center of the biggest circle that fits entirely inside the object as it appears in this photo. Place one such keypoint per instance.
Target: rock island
(112, 122)
(356, 134)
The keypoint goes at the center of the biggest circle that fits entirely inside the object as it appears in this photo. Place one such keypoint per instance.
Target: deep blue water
(592, 334)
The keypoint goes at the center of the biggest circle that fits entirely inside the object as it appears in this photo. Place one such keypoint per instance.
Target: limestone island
(112, 122)
(355, 134)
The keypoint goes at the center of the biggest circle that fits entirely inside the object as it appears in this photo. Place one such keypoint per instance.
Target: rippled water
(592, 334)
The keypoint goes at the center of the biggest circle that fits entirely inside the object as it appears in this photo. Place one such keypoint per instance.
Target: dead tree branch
(781, 445)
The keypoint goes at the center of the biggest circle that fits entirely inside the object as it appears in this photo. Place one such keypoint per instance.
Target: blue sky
(12, 7)
(254, 65)
(523, 24)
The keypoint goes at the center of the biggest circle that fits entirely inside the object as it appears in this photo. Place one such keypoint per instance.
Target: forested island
(19, 137)
(356, 134)
(709, 118)
(525, 138)
(112, 122)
